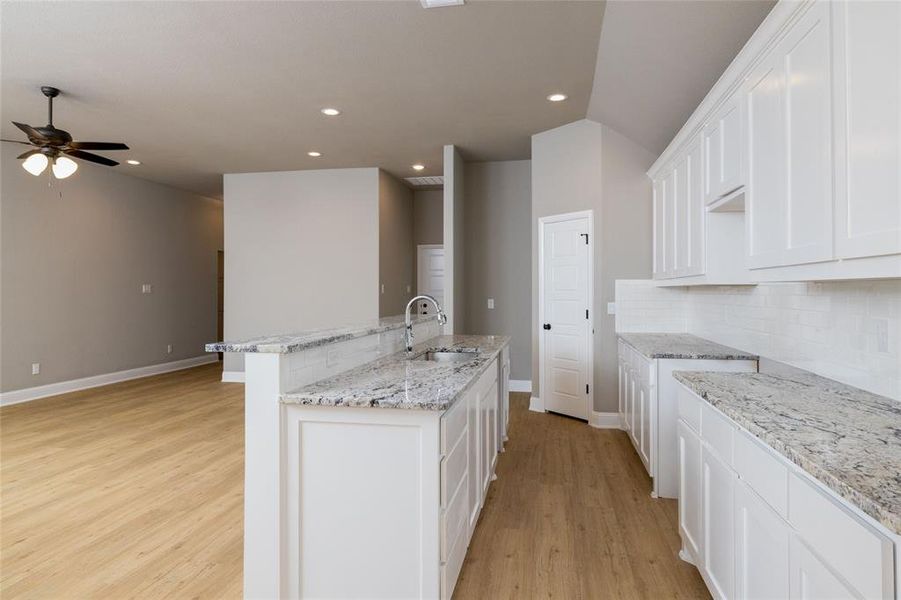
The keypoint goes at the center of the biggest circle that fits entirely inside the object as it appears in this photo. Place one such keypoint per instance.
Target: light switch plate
(611, 308)
(35, 368)
(491, 303)
(146, 288)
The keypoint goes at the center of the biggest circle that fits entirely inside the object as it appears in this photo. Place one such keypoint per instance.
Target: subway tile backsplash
(849, 331)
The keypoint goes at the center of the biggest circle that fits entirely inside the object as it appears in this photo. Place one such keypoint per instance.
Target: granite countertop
(682, 345)
(295, 342)
(396, 381)
(848, 439)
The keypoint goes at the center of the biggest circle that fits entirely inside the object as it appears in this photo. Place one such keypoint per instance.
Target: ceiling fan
(53, 146)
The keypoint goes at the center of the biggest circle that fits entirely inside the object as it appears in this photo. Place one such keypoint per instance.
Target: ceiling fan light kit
(55, 146)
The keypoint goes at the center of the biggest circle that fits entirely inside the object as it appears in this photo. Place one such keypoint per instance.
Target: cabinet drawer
(452, 424)
(453, 520)
(454, 468)
(690, 408)
(861, 555)
(450, 569)
(717, 431)
(764, 473)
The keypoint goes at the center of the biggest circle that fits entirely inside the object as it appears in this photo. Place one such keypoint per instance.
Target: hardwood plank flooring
(134, 490)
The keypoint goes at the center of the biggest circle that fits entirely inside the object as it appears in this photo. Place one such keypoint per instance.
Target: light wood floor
(135, 490)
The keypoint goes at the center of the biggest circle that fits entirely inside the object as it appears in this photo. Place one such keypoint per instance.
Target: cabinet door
(731, 161)
(867, 50)
(659, 233)
(621, 396)
(485, 453)
(761, 548)
(811, 579)
(713, 160)
(765, 196)
(808, 125)
(681, 211)
(717, 481)
(696, 210)
(669, 221)
(689, 488)
(644, 448)
(492, 399)
(474, 440)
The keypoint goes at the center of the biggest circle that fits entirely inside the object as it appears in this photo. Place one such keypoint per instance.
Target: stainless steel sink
(439, 356)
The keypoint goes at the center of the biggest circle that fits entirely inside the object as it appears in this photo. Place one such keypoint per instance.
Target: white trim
(232, 376)
(536, 405)
(520, 385)
(430, 246)
(74, 385)
(605, 420)
(542, 221)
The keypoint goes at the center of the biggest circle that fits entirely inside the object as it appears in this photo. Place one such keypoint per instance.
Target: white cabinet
(867, 54)
(717, 549)
(659, 233)
(761, 548)
(647, 435)
(811, 579)
(723, 149)
(689, 491)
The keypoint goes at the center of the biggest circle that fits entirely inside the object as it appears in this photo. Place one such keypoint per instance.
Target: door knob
(547, 325)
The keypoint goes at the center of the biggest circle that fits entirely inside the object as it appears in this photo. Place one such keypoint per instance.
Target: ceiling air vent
(440, 3)
(422, 181)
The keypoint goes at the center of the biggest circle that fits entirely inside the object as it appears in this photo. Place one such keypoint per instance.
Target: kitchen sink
(441, 356)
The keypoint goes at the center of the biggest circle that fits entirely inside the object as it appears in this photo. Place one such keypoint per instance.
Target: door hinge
(586, 388)
(586, 313)
(586, 237)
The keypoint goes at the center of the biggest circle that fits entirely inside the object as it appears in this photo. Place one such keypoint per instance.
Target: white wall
(73, 258)
(847, 331)
(301, 251)
(585, 165)
(397, 253)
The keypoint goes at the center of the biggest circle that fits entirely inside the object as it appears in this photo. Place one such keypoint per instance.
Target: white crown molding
(74, 385)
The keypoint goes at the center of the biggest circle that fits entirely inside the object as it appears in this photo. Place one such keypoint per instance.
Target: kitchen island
(366, 466)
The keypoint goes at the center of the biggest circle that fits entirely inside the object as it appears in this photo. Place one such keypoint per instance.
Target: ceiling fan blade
(30, 131)
(100, 160)
(27, 154)
(17, 142)
(98, 146)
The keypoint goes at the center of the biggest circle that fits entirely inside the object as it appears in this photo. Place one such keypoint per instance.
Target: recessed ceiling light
(132, 161)
(418, 167)
(331, 112)
(557, 97)
(314, 154)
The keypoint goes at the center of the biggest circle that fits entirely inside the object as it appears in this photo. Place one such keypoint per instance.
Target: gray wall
(496, 220)
(73, 258)
(454, 241)
(301, 251)
(428, 218)
(585, 165)
(397, 253)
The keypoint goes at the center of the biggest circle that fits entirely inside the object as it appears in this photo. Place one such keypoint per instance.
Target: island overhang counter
(366, 466)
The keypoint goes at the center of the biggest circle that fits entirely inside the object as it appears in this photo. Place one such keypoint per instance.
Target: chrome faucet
(408, 319)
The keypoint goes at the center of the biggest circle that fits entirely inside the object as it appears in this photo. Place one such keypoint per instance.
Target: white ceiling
(198, 89)
(657, 59)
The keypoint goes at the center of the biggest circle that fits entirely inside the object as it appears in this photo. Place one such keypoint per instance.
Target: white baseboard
(73, 385)
(232, 376)
(605, 420)
(520, 385)
(535, 404)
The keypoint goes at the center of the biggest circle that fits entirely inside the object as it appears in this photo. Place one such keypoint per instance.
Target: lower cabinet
(735, 528)
(761, 548)
(717, 549)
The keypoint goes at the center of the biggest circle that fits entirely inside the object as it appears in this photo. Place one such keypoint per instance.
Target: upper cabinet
(867, 126)
(790, 169)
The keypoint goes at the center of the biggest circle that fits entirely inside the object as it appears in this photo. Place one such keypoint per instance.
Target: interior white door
(430, 275)
(566, 326)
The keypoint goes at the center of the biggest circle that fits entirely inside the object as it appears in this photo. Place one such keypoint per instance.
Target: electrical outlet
(169, 349)
(383, 288)
(611, 308)
(35, 368)
(491, 303)
(146, 288)
(409, 288)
